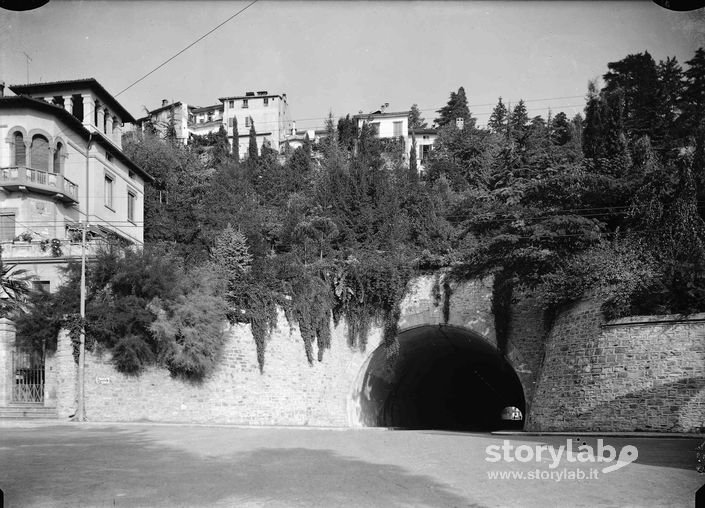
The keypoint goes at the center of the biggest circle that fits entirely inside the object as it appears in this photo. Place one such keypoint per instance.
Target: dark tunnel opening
(444, 378)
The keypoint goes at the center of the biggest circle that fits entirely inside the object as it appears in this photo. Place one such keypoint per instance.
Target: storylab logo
(574, 453)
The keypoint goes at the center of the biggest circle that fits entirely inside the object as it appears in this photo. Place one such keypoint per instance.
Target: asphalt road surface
(127, 465)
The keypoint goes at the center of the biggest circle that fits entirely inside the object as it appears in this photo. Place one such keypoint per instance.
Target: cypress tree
(252, 149)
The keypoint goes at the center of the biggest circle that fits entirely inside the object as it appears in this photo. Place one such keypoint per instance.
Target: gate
(28, 371)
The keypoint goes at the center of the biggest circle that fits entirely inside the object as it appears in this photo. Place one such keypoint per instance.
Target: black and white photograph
(352, 253)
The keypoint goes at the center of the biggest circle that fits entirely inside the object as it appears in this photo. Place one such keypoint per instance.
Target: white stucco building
(61, 163)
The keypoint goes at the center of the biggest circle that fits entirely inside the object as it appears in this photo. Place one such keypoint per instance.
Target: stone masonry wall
(289, 391)
(632, 374)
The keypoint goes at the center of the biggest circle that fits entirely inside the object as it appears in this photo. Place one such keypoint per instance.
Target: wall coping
(665, 319)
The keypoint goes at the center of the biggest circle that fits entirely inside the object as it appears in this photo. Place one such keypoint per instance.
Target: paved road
(157, 465)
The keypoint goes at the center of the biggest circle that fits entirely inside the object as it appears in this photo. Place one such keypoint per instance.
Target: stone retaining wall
(632, 374)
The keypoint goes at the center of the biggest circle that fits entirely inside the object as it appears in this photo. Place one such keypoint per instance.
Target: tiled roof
(58, 86)
(377, 114)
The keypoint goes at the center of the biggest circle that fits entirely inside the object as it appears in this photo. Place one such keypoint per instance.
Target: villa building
(61, 168)
(269, 113)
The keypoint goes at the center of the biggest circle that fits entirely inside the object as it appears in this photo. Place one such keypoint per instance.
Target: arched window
(58, 156)
(40, 153)
(20, 150)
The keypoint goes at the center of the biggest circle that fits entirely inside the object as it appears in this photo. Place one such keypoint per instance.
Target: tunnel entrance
(445, 378)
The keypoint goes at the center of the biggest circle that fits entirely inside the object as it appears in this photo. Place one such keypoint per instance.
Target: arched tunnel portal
(444, 377)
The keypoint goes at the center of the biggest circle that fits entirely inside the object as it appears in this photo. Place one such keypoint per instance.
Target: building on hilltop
(61, 162)
(175, 114)
(269, 112)
(395, 125)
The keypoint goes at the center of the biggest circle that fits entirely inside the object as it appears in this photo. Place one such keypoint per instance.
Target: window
(231, 104)
(244, 103)
(20, 150)
(375, 128)
(39, 153)
(7, 226)
(58, 153)
(266, 101)
(230, 123)
(108, 191)
(397, 129)
(247, 122)
(131, 198)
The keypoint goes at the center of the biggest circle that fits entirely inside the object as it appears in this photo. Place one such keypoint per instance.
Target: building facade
(176, 114)
(61, 168)
(269, 113)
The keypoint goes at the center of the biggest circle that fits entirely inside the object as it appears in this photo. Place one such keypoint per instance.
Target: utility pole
(80, 415)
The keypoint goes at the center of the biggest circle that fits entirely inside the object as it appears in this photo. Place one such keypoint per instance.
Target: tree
(498, 119)
(560, 129)
(518, 121)
(236, 142)
(413, 165)
(693, 102)
(220, 153)
(636, 76)
(252, 151)
(457, 107)
(14, 288)
(415, 119)
(231, 252)
(347, 133)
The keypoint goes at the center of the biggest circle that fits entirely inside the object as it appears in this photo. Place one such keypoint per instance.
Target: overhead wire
(188, 47)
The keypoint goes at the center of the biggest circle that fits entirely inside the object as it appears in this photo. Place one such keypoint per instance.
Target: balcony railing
(21, 178)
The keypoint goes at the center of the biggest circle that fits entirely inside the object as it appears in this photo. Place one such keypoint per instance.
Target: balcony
(18, 178)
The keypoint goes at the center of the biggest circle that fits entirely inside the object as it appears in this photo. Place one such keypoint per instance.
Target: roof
(168, 106)
(90, 83)
(206, 108)
(233, 97)
(378, 114)
(74, 123)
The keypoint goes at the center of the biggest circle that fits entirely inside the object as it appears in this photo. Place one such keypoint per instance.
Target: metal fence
(28, 371)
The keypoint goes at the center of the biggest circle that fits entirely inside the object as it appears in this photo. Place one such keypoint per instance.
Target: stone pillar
(68, 103)
(108, 124)
(117, 132)
(88, 112)
(101, 118)
(7, 346)
(66, 376)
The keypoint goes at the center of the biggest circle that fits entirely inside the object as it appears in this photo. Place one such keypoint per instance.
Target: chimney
(164, 102)
(2, 88)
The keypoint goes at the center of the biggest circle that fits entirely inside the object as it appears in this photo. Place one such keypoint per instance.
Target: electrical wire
(189, 46)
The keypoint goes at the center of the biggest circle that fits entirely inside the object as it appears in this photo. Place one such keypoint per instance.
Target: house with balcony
(61, 168)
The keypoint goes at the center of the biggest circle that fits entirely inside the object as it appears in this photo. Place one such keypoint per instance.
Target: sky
(342, 57)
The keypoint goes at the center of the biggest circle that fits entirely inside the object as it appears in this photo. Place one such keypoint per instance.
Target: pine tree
(560, 129)
(252, 152)
(518, 121)
(637, 78)
(693, 103)
(415, 119)
(456, 108)
(498, 119)
(231, 253)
